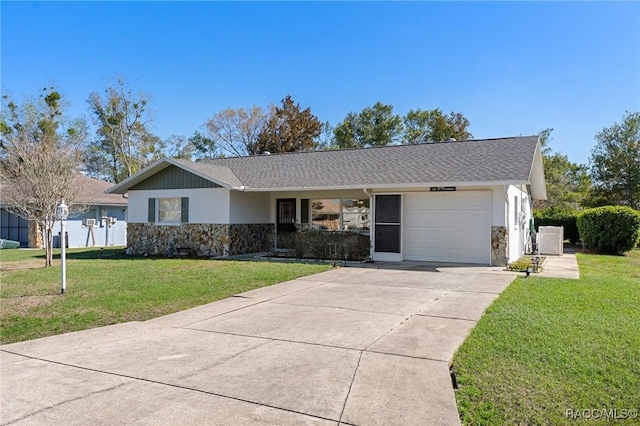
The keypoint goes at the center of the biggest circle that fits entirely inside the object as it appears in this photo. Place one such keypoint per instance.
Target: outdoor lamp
(62, 212)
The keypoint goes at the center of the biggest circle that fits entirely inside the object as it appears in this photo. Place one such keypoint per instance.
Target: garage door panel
(476, 220)
(447, 227)
(478, 201)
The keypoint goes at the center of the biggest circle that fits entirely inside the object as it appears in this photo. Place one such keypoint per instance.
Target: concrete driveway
(359, 346)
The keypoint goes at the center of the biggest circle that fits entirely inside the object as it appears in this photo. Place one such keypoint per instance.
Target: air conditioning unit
(89, 222)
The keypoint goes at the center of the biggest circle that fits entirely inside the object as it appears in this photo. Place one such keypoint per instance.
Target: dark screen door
(286, 215)
(388, 210)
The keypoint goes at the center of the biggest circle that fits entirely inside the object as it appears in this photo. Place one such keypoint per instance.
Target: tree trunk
(49, 248)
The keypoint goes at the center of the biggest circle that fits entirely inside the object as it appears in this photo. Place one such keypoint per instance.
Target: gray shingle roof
(482, 160)
(92, 192)
(218, 172)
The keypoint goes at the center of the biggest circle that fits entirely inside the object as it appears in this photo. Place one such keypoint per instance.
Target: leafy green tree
(124, 143)
(373, 126)
(433, 125)
(203, 146)
(289, 128)
(615, 163)
(41, 152)
(568, 183)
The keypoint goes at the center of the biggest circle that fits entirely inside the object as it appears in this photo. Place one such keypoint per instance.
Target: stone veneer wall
(499, 237)
(202, 239)
(251, 238)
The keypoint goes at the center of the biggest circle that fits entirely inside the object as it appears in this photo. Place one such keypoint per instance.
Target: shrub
(559, 217)
(609, 229)
(519, 265)
(334, 245)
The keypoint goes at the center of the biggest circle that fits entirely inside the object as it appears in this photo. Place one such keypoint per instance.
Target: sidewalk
(565, 266)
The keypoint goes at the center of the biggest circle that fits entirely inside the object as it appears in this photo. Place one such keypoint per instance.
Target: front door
(285, 219)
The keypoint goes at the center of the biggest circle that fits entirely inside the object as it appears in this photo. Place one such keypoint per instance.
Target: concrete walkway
(565, 266)
(359, 346)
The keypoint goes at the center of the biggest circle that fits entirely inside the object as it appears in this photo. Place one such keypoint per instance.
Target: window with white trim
(169, 210)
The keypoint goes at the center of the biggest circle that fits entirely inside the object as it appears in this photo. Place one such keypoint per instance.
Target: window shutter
(184, 214)
(151, 218)
(304, 211)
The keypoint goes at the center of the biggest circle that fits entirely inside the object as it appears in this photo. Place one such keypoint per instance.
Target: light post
(62, 212)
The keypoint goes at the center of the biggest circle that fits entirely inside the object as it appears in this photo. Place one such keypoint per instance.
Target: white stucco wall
(250, 207)
(206, 205)
(518, 200)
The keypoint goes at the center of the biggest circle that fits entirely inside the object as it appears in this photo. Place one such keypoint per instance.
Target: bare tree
(40, 154)
(235, 131)
(179, 147)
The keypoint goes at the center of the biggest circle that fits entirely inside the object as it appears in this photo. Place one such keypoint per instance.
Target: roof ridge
(211, 160)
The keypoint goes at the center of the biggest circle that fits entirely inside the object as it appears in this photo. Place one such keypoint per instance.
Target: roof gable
(220, 175)
(174, 177)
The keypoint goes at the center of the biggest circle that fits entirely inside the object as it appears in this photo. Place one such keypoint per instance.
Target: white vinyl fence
(550, 240)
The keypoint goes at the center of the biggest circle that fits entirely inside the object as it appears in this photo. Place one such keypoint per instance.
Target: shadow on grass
(112, 254)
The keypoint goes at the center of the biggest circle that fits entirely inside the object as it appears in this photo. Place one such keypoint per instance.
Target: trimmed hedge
(328, 245)
(552, 217)
(610, 229)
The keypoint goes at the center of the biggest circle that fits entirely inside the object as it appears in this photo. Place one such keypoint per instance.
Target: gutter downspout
(371, 236)
(507, 221)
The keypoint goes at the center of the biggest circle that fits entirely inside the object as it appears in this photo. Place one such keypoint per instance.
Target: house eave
(536, 175)
(387, 187)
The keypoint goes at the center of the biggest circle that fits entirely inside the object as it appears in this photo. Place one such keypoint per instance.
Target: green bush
(559, 217)
(519, 265)
(609, 229)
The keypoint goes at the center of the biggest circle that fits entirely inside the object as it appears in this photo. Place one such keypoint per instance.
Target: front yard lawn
(549, 349)
(117, 288)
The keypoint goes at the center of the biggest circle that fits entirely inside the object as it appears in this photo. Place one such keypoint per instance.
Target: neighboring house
(101, 223)
(465, 202)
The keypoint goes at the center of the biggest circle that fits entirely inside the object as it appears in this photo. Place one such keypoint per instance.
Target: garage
(447, 226)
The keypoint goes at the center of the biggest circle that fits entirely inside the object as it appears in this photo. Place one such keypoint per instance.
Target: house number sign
(442, 188)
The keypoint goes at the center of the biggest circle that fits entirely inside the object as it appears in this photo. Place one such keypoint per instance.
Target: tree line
(612, 176)
(124, 143)
(42, 149)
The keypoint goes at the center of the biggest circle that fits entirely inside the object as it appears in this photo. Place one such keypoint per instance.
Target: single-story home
(101, 223)
(455, 201)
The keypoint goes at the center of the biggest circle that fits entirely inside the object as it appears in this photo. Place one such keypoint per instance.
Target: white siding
(206, 205)
(250, 207)
(81, 236)
(517, 220)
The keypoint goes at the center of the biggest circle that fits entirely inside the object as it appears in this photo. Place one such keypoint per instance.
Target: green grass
(549, 345)
(117, 288)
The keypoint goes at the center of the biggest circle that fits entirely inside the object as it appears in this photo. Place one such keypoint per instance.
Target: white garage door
(448, 226)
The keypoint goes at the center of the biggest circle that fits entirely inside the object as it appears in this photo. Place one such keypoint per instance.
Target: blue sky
(510, 67)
